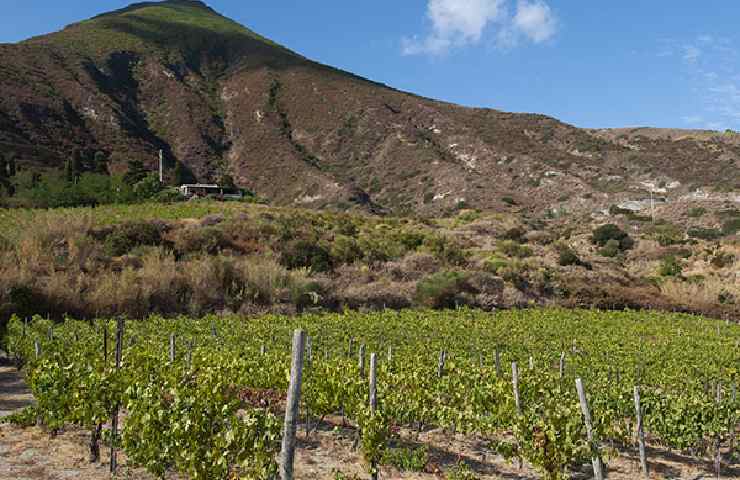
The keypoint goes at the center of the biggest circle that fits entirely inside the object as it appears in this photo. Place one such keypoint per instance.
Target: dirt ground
(31, 454)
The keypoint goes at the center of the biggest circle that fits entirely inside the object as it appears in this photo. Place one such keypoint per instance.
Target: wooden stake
(641, 434)
(441, 363)
(373, 401)
(499, 373)
(562, 365)
(287, 452)
(361, 360)
(515, 384)
(172, 348)
(114, 417)
(596, 461)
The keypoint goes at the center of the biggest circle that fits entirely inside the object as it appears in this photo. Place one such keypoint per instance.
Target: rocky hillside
(220, 99)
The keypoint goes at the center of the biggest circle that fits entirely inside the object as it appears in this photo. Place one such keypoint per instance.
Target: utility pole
(652, 204)
(161, 166)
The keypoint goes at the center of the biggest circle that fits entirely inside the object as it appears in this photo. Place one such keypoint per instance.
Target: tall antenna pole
(652, 205)
(161, 166)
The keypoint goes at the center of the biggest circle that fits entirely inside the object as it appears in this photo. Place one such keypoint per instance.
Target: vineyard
(206, 397)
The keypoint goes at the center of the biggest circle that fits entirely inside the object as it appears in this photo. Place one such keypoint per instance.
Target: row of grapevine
(206, 396)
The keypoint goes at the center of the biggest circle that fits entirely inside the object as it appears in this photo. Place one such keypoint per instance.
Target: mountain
(221, 99)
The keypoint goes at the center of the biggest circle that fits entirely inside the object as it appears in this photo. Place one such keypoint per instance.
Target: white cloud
(693, 119)
(535, 20)
(691, 54)
(458, 23)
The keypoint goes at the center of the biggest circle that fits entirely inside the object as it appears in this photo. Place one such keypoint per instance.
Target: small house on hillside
(203, 190)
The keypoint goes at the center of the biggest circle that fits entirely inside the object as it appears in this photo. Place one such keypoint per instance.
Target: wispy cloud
(693, 119)
(460, 23)
(535, 20)
(711, 62)
(691, 54)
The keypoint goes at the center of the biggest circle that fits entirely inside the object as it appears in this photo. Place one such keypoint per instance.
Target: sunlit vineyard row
(215, 410)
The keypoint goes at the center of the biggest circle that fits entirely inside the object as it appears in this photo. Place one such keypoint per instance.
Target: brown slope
(221, 99)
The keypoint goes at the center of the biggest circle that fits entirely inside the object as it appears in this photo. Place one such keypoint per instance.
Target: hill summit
(219, 99)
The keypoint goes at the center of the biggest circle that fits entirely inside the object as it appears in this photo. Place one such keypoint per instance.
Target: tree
(8, 165)
(73, 167)
(136, 172)
(182, 175)
(99, 163)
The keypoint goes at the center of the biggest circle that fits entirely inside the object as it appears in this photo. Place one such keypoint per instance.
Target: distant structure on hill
(202, 190)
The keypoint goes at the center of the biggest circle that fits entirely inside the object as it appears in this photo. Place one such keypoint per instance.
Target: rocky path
(14, 394)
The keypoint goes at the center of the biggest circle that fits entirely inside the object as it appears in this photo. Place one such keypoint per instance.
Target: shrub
(127, 236)
(515, 233)
(722, 260)
(611, 249)
(407, 459)
(697, 212)
(306, 254)
(670, 267)
(606, 233)
(667, 235)
(568, 257)
(445, 250)
(704, 233)
(514, 249)
(508, 200)
(345, 249)
(441, 289)
(731, 227)
(495, 264)
(208, 240)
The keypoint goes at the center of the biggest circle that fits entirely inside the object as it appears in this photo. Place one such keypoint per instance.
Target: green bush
(128, 236)
(345, 249)
(608, 233)
(407, 459)
(697, 212)
(731, 227)
(510, 248)
(611, 249)
(441, 289)
(670, 267)
(704, 233)
(568, 257)
(444, 249)
(306, 254)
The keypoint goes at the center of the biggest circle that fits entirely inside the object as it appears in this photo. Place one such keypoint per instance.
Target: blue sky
(590, 63)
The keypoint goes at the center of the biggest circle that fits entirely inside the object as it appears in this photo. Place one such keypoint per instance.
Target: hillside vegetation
(200, 257)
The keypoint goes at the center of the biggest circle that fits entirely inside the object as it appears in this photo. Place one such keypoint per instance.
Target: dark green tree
(182, 176)
(73, 167)
(100, 163)
(135, 173)
(9, 165)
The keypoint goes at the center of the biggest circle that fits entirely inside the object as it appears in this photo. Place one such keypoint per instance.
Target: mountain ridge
(220, 99)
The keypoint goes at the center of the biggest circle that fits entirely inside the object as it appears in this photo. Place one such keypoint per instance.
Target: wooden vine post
(596, 460)
(287, 452)
(441, 363)
(374, 401)
(499, 373)
(641, 434)
(172, 349)
(361, 360)
(114, 416)
(562, 365)
(515, 384)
